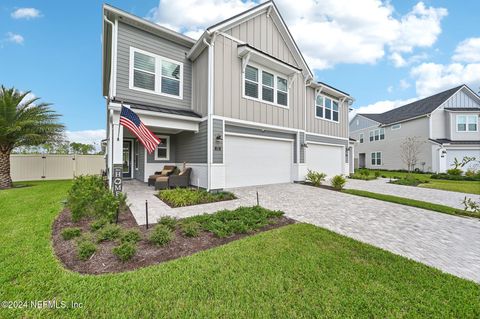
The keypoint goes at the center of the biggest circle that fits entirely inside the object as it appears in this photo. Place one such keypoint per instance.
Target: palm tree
(23, 123)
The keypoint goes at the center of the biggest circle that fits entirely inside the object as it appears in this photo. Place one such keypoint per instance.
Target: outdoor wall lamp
(305, 145)
(219, 138)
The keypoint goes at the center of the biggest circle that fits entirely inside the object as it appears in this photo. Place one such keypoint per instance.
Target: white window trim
(361, 138)
(324, 108)
(396, 127)
(381, 158)
(260, 85)
(375, 134)
(466, 123)
(167, 138)
(136, 154)
(158, 74)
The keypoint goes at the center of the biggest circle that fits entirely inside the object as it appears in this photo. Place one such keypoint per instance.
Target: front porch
(138, 194)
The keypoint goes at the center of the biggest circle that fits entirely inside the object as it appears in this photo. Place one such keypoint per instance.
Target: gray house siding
(325, 139)
(173, 147)
(302, 149)
(200, 84)
(129, 36)
(322, 126)
(217, 146)
(228, 90)
(460, 99)
(192, 147)
(359, 123)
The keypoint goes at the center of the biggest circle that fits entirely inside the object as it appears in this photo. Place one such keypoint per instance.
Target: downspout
(210, 109)
(112, 54)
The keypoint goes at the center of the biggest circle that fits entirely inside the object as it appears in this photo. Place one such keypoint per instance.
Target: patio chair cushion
(162, 179)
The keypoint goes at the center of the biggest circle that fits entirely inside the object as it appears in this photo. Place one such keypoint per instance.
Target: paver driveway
(446, 242)
(449, 243)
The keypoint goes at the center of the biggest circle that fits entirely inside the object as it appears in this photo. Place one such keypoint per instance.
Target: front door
(127, 159)
(361, 160)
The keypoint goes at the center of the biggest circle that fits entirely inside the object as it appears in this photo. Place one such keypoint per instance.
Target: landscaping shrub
(168, 221)
(98, 224)
(241, 220)
(161, 235)
(180, 197)
(109, 232)
(471, 173)
(125, 251)
(191, 228)
(85, 247)
(315, 178)
(471, 206)
(454, 171)
(408, 181)
(362, 177)
(364, 172)
(88, 197)
(71, 232)
(338, 182)
(455, 177)
(377, 174)
(131, 236)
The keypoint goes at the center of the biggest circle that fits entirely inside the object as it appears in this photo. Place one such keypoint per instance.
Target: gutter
(112, 53)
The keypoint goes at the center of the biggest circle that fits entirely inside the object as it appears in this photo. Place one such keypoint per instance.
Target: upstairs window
(467, 123)
(360, 137)
(377, 135)
(265, 86)
(155, 74)
(371, 136)
(326, 108)
(396, 127)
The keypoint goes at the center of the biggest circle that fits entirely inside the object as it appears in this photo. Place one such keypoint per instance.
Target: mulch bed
(103, 261)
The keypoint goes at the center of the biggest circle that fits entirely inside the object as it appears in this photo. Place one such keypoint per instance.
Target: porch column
(117, 154)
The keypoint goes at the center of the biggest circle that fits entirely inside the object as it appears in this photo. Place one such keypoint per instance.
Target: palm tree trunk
(5, 179)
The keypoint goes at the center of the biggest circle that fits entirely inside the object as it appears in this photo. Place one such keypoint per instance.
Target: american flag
(130, 120)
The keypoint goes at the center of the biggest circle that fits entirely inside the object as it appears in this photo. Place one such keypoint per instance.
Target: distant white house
(446, 123)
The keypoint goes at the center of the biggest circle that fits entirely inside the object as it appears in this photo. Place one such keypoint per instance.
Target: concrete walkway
(446, 242)
(437, 196)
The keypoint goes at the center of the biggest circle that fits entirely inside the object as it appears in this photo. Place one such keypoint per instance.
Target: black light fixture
(219, 138)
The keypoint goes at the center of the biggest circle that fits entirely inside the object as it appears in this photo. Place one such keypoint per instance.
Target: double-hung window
(265, 86)
(377, 135)
(155, 74)
(371, 136)
(326, 108)
(467, 123)
(360, 137)
(163, 149)
(376, 158)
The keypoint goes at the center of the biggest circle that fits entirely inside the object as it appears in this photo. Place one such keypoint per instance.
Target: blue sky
(383, 54)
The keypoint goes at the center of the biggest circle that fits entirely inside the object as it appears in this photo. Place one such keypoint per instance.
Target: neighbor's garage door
(254, 161)
(460, 154)
(326, 159)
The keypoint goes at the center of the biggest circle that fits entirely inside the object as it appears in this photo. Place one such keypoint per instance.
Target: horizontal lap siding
(321, 126)
(140, 172)
(326, 140)
(129, 36)
(261, 33)
(192, 147)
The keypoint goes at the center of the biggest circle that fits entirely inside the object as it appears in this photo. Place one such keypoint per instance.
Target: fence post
(44, 160)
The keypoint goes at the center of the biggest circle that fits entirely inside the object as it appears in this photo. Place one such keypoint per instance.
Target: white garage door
(253, 161)
(460, 154)
(326, 159)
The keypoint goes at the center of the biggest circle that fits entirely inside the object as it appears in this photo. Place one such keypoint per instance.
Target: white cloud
(404, 84)
(26, 13)
(390, 89)
(14, 38)
(397, 59)
(328, 32)
(380, 106)
(468, 51)
(433, 77)
(86, 136)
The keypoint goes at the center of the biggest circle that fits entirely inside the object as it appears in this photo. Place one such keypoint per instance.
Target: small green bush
(180, 197)
(338, 182)
(85, 247)
(98, 224)
(131, 236)
(88, 197)
(362, 177)
(470, 173)
(125, 251)
(377, 174)
(408, 181)
(71, 232)
(455, 172)
(161, 235)
(455, 177)
(168, 221)
(364, 172)
(315, 178)
(109, 232)
(191, 229)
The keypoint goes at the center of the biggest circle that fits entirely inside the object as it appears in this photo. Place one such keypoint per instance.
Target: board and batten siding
(217, 148)
(360, 122)
(200, 84)
(129, 36)
(228, 86)
(460, 99)
(326, 127)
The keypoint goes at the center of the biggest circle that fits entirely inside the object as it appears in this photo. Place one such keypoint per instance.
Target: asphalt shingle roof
(414, 109)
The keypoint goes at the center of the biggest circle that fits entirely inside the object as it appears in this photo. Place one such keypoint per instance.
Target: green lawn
(472, 187)
(295, 271)
(411, 202)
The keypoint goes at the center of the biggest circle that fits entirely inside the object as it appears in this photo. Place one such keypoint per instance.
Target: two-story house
(239, 105)
(445, 126)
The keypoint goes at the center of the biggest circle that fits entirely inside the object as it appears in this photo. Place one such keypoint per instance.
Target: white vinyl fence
(32, 167)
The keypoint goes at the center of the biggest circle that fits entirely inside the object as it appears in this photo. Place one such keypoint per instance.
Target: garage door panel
(253, 161)
(326, 159)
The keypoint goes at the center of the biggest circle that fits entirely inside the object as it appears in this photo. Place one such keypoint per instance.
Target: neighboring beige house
(239, 105)
(445, 123)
